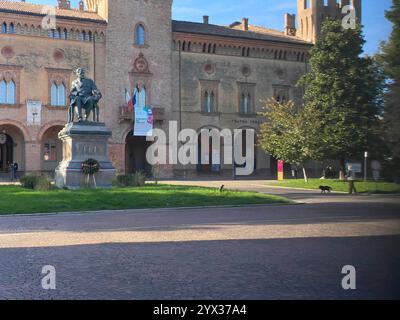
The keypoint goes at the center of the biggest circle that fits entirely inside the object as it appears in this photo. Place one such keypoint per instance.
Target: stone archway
(13, 147)
(6, 151)
(213, 155)
(50, 149)
(135, 155)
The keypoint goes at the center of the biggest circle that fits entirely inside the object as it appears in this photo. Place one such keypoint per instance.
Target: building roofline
(232, 33)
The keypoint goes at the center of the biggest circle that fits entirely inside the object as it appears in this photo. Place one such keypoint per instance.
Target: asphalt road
(261, 252)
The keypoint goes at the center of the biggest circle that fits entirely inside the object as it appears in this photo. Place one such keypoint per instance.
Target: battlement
(312, 13)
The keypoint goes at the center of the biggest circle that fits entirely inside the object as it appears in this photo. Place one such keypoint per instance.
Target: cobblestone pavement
(259, 252)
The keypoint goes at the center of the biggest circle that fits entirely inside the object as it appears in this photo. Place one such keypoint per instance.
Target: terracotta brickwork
(177, 65)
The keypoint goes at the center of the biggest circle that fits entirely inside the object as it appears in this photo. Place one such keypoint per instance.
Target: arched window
(61, 95)
(3, 91)
(90, 36)
(57, 95)
(11, 29)
(7, 92)
(140, 36)
(141, 96)
(58, 34)
(83, 36)
(51, 34)
(65, 34)
(11, 92)
(209, 102)
(245, 104)
(4, 28)
(212, 102)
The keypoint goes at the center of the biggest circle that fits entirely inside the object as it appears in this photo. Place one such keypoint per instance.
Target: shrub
(42, 183)
(28, 182)
(138, 179)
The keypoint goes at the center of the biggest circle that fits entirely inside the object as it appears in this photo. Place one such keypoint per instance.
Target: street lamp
(365, 165)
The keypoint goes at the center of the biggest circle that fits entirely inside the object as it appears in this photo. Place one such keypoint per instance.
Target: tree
(343, 93)
(390, 50)
(287, 133)
(390, 60)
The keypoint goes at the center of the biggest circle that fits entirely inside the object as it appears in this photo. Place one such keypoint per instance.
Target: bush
(138, 179)
(41, 183)
(28, 182)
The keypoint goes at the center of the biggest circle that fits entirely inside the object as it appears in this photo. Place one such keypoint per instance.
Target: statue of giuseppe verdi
(84, 95)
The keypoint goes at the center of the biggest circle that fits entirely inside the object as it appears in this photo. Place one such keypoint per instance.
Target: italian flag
(130, 101)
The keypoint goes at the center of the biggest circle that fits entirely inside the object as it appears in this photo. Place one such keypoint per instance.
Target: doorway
(6, 153)
(135, 155)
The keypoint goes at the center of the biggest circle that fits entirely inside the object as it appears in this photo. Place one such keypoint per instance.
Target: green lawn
(15, 199)
(362, 187)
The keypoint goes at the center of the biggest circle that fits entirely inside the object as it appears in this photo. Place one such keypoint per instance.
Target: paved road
(260, 252)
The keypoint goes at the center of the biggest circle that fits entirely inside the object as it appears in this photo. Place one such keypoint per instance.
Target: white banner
(33, 112)
(143, 126)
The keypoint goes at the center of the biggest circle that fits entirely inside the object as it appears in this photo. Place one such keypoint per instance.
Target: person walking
(351, 177)
(15, 168)
(11, 170)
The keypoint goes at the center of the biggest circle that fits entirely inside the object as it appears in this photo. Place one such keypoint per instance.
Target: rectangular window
(50, 152)
(281, 93)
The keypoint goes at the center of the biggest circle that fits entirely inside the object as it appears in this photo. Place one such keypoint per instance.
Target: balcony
(126, 115)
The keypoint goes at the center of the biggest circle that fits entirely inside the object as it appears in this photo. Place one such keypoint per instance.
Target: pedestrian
(351, 177)
(11, 170)
(15, 168)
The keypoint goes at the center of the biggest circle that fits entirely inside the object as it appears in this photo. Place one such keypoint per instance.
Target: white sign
(143, 126)
(33, 112)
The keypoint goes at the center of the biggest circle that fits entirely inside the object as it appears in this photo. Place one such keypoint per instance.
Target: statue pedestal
(83, 141)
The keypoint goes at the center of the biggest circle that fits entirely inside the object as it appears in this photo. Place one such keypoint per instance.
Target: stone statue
(84, 95)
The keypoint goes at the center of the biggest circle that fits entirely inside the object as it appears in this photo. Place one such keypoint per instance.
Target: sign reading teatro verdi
(143, 126)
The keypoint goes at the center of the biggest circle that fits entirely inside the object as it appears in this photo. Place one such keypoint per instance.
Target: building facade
(201, 75)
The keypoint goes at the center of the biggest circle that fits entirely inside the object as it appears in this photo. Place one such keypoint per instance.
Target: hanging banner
(143, 126)
(33, 113)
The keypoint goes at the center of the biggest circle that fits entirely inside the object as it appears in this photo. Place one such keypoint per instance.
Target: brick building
(199, 74)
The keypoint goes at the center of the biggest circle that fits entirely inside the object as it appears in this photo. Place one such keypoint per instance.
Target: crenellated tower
(99, 6)
(137, 55)
(312, 13)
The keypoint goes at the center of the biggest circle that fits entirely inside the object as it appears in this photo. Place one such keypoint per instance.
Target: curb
(132, 211)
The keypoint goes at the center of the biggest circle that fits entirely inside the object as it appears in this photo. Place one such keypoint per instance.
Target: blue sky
(269, 13)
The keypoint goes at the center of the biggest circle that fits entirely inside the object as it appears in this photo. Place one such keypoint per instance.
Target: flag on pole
(128, 99)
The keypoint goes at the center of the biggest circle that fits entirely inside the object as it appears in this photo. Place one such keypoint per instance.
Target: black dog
(324, 189)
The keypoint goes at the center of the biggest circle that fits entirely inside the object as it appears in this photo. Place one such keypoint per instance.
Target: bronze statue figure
(84, 95)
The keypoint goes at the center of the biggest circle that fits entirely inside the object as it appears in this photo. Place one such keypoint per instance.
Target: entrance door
(6, 154)
(135, 155)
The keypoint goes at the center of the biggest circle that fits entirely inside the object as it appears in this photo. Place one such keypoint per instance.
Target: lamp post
(365, 165)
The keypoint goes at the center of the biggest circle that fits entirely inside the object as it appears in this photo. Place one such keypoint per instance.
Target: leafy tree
(287, 133)
(390, 60)
(343, 90)
(390, 50)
